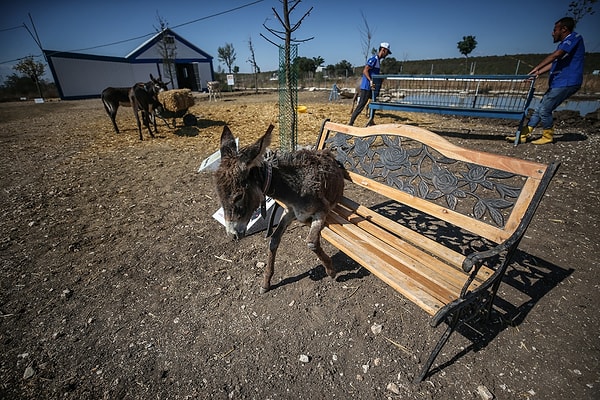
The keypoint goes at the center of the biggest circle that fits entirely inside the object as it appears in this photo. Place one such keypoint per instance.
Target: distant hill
(490, 65)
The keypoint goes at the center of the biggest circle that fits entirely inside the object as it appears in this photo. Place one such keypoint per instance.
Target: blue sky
(424, 29)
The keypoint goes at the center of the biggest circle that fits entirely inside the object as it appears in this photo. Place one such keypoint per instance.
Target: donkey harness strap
(263, 204)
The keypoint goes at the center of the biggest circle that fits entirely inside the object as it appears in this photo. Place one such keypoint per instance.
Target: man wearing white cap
(367, 84)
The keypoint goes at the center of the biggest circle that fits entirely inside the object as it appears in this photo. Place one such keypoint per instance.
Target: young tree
(167, 48)
(580, 8)
(252, 61)
(227, 56)
(367, 36)
(466, 46)
(33, 70)
(286, 36)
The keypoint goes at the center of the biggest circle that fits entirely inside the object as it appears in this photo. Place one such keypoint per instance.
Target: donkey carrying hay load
(308, 182)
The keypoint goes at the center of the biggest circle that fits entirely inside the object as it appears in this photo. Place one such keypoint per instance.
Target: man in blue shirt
(566, 76)
(367, 84)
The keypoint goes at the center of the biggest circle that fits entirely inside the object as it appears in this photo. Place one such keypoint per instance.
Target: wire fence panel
(469, 93)
(288, 98)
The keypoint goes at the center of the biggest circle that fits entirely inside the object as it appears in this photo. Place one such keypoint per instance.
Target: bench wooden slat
(378, 263)
(443, 281)
(411, 262)
(527, 193)
(413, 257)
(441, 251)
(451, 257)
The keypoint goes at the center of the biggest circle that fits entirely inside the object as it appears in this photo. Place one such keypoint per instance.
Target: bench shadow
(527, 280)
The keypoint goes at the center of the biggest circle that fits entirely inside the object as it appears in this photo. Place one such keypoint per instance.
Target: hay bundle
(177, 99)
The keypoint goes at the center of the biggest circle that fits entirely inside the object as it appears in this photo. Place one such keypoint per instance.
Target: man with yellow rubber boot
(566, 76)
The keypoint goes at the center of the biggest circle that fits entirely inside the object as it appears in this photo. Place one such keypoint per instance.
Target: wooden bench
(487, 96)
(437, 222)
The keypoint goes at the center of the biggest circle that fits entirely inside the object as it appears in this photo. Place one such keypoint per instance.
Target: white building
(79, 76)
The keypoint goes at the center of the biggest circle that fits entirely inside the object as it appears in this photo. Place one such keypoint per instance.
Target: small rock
(377, 362)
(260, 264)
(365, 368)
(376, 328)
(304, 358)
(29, 372)
(66, 293)
(484, 393)
(392, 387)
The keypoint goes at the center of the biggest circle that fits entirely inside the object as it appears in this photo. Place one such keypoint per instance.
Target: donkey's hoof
(263, 290)
(332, 273)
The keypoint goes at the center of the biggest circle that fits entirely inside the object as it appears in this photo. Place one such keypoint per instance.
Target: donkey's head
(239, 182)
(157, 84)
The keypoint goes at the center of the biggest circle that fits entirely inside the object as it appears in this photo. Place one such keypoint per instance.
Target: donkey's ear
(228, 146)
(253, 154)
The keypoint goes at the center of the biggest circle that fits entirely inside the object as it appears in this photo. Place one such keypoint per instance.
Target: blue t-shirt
(568, 70)
(372, 62)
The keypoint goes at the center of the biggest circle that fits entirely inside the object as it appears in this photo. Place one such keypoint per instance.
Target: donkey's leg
(286, 220)
(137, 118)
(153, 115)
(113, 117)
(146, 117)
(314, 243)
(112, 113)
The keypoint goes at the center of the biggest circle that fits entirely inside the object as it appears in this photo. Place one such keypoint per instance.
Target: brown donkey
(308, 183)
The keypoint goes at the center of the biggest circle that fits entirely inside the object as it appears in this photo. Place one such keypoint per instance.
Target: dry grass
(248, 116)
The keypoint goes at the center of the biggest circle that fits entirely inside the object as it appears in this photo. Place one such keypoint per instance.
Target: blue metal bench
(487, 96)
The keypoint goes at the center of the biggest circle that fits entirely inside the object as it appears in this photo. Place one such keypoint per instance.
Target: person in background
(367, 84)
(566, 76)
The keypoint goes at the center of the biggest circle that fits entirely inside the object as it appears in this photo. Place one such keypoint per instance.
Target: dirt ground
(117, 283)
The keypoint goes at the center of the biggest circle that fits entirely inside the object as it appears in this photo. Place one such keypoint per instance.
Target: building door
(186, 77)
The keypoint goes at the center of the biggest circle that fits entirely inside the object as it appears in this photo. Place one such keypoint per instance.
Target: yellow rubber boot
(547, 137)
(525, 132)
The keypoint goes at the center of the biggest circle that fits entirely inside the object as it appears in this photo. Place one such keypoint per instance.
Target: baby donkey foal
(308, 183)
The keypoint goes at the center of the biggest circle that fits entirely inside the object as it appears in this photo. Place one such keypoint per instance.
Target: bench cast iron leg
(451, 327)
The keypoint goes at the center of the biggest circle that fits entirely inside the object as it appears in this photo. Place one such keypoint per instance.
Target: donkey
(144, 98)
(214, 90)
(308, 182)
(113, 97)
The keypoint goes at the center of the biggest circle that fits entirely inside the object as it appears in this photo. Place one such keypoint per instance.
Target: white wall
(87, 78)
